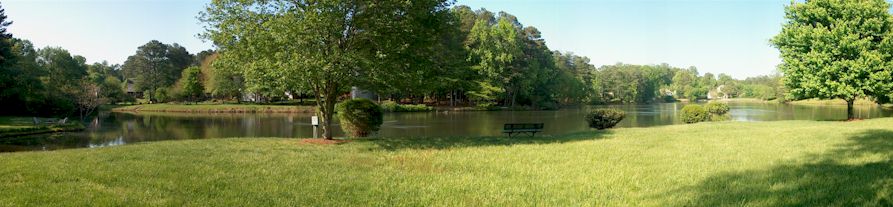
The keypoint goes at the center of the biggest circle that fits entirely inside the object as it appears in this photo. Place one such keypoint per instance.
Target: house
(717, 93)
(131, 90)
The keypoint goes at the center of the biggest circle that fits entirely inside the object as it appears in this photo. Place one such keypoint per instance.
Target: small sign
(314, 120)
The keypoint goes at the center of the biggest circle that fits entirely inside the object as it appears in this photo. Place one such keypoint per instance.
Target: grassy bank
(215, 108)
(786, 163)
(19, 126)
(832, 102)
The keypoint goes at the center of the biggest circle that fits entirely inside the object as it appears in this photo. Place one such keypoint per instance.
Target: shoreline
(34, 130)
(214, 108)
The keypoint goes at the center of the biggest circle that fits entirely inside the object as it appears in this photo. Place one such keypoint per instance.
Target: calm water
(109, 129)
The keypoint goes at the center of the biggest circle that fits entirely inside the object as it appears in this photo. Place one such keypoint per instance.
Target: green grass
(215, 108)
(786, 163)
(832, 102)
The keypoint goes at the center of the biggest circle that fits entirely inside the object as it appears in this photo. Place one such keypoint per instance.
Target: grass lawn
(785, 163)
(216, 108)
(833, 102)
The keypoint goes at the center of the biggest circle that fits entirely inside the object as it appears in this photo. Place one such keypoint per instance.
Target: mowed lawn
(800, 163)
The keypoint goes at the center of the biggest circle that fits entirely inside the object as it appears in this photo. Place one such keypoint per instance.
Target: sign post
(314, 120)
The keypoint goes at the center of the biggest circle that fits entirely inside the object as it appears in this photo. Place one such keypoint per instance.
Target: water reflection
(110, 129)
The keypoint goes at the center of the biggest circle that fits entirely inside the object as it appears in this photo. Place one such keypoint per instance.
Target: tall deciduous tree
(190, 84)
(324, 46)
(497, 50)
(64, 73)
(834, 49)
(156, 65)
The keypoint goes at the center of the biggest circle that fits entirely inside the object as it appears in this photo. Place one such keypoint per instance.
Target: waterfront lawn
(785, 163)
(16, 126)
(215, 108)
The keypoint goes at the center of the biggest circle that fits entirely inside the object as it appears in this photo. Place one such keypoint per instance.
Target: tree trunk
(327, 114)
(452, 98)
(850, 113)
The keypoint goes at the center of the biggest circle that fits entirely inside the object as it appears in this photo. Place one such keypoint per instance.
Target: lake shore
(14, 130)
(705, 164)
(816, 102)
(215, 108)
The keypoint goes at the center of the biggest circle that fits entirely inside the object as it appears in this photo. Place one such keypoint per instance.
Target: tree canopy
(835, 49)
(323, 46)
(156, 65)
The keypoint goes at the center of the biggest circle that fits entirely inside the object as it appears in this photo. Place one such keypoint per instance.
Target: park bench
(521, 128)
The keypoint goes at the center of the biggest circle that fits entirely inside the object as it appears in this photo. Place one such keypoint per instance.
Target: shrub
(604, 118)
(694, 114)
(549, 106)
(161, 95)
(391, 106)
(359, 117)
(717, 108)
(486, 106)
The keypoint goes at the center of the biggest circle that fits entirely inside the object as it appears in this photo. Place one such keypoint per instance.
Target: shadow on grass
(858, 173)
(399, 143)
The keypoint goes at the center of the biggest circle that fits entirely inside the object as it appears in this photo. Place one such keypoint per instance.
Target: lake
(114, 128)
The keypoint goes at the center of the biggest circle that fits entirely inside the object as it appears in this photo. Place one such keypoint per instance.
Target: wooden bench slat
(531, 128)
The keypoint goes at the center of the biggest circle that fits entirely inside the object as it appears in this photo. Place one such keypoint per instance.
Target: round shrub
(359, 117)
(694, 114)
(389, 106)
(717, 108)
(604, 118)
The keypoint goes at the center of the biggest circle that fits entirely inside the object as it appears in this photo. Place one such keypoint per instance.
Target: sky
(716, 36)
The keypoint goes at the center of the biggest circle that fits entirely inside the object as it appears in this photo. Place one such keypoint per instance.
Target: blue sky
(717, 36)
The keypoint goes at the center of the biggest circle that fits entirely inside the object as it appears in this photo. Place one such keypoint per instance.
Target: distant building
(717, 93)
(130, 88)
(356, 92)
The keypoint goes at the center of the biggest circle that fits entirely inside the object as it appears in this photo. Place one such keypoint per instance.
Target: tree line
(426, 51)
(450, 56)
(51, 81)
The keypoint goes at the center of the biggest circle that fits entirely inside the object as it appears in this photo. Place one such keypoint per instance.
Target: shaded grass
(802, 163)
(215, 108)
(18, 126)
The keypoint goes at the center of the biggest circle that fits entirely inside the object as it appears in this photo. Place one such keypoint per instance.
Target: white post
(314, 120)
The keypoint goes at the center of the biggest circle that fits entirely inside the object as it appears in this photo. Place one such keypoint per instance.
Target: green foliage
(833, 49)
(326, 46)
(156, 65)
(359, 117)
(191, 87)
(161, 95)
(694, 113)
(718, 111)
(717, 108)
(112, 89)
(604, 118)
(391, 106)
(624, 83)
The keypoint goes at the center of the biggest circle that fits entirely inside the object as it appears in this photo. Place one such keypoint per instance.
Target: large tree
(156, 65)
(63, 77)
(190, 84)
(9, 90)
(497, 49)
(836, 49)
(324, 46)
